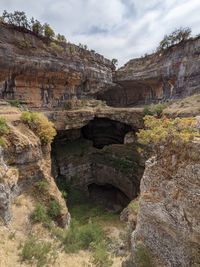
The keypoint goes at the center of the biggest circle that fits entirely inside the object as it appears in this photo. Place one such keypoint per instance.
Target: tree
(18, 18)
(48, 31)
(61, 38)
(36, 27)
(114, 61)
(177, 36)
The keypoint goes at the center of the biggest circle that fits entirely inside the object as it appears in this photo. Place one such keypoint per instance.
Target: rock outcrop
(168, 229)
(170, 74)
(23, 162)
(42, 73)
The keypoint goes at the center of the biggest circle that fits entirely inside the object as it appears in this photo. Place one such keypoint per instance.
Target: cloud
(121, 29)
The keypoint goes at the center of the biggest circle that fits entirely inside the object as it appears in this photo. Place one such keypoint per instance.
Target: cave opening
(95, 161)
(104, 131)
(109, 196)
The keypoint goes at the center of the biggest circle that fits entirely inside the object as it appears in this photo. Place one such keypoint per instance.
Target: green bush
(40, 124)
(82, 236)
(56, 47)
(14, 102)
(3, 126)
(40, 215)
(37, 252)
(54, 209)
(42, 185)
(154, 109)
(101, 257)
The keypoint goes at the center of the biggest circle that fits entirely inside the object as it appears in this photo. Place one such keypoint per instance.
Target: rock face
(46, 74)
(24, 162)
(173, 73)
(168, 229)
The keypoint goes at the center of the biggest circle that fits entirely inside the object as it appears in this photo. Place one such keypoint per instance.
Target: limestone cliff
(173, 73)
(168, 230)
(23, 162)
(43, 73)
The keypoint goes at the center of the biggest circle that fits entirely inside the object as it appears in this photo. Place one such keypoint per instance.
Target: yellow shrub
(166, 130)
(40, 124)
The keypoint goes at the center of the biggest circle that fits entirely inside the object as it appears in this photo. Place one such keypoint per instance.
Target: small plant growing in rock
(154, 109)
(40, 124)
(4, 129)
(54, 209)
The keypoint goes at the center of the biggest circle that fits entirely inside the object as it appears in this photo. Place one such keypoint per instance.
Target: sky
(121, 29)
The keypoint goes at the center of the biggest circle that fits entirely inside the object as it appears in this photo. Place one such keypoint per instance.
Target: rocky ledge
(168, 74)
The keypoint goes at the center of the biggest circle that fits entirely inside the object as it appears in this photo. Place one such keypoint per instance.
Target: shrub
(42, 185)
(37, 252)
(24, 44)
(56, 47)
(3, 126)
(164, 130)
(101, 257)
(40, 124)
(81, 237)
(154, 109)
(175, 37)
(61, 38)
(48, 31)
(54, 209)
(14, 102)
(40, 215)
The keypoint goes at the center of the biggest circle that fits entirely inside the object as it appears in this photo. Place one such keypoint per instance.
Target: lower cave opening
(109, 196)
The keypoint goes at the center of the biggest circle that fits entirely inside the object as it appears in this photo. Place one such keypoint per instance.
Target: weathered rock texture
(46, 74)
(75, 119)
(23, 162)
(80, 165)
(168, 226)
(173, 73)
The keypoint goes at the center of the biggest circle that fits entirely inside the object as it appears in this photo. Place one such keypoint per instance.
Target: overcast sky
(121, 29)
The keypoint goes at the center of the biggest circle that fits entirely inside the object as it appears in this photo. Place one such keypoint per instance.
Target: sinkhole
(95, 161)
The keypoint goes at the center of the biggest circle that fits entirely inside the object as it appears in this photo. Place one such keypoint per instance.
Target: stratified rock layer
(46, 74)
(23, 162)
(173, 73)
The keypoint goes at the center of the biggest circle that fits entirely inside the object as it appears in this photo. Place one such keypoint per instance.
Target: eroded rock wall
(170, 74)
(168, 229)
(46, 74)
(23, 162)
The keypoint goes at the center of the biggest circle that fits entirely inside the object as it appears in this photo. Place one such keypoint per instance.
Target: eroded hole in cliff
(104, 131)
(97, 165)
(109, 196)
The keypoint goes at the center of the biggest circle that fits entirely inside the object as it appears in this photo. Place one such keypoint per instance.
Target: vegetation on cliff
(40, 124)
(3, 130)
(177, 36)
(160, 131)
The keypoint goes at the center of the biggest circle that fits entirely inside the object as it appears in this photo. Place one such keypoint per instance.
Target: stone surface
(173, 73)
(168, 225)
(35, 72)
(23, 162)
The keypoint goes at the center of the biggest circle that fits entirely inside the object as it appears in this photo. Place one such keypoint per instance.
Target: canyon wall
(24, 161)
(168, 228)
(43, 73)
(168, 74)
